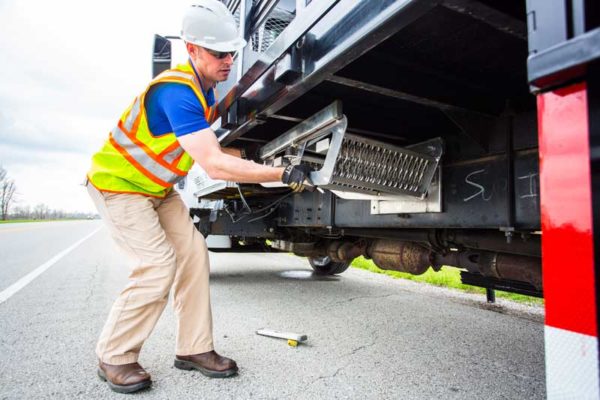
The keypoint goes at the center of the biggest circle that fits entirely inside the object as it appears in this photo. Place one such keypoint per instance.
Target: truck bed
(454, 65)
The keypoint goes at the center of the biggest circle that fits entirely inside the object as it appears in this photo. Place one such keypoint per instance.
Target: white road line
(24, 281)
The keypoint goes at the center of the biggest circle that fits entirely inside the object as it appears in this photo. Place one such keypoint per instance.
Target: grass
(447, 277)
(12, 221)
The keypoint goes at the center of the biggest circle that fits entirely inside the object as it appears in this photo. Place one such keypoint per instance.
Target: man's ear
(191, 49)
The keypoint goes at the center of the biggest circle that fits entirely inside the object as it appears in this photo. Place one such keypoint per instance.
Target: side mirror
(161, 55)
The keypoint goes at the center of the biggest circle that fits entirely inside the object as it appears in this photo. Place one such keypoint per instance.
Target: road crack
(329, 376)
(375, 338)
(91, 283)
(358, 297)
(365, 346)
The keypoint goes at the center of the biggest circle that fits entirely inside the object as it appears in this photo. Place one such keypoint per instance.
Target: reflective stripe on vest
(153, 168)
(173, 155)
(134, 114)
(178, 74)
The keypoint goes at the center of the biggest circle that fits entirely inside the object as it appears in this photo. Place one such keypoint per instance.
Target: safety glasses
(221, 54)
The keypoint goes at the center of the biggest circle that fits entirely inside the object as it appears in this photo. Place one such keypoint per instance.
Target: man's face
(213, 65)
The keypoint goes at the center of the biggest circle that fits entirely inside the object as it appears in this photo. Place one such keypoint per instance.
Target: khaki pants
(167, 251)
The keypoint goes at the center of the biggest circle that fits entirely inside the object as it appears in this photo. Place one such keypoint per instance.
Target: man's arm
(232, 151)
(205, 149)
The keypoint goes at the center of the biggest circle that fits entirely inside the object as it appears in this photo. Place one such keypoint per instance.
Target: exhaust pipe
(345, 251)
(400, 256)
(497, 265)
(415, 259)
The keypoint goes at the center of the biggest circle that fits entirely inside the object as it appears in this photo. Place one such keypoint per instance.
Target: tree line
(8, 188)
(9, 208)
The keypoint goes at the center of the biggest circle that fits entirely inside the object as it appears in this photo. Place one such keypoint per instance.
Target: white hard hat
(209, 24)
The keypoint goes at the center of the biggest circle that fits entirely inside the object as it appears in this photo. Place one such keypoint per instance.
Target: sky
(68, 69)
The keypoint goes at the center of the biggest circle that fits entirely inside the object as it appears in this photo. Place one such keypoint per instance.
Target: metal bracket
(315, 126)
(289, 69)
(404, 204)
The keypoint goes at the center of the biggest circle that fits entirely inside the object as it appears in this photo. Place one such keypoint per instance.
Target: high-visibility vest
(133, 159)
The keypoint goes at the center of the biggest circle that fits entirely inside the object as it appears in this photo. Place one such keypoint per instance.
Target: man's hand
(296, 176)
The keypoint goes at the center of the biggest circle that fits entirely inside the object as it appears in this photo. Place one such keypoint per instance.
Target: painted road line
(24, 281)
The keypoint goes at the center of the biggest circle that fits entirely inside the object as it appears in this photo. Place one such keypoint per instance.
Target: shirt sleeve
(180, 106)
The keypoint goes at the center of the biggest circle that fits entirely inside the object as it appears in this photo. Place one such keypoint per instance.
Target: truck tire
(324, 266)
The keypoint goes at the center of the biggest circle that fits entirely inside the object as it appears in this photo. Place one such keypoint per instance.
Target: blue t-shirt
(173, 107)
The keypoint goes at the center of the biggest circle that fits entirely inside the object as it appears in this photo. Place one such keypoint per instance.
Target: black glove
(296, 176)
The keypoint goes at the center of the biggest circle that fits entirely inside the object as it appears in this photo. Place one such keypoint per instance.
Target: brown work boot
(210, 364)
(126, 378)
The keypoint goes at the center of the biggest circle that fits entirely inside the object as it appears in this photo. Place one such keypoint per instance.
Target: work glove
(296, 176)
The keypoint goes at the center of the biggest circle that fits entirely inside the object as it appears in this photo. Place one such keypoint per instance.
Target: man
(131, 180)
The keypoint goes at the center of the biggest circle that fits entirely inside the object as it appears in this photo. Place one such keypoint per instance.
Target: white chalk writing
(532, 185)
(481, 189)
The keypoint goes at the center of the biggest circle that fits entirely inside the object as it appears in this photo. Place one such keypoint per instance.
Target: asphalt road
(369, 336)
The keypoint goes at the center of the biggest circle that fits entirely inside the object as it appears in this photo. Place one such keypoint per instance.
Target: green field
(13, 221)
(446, 277)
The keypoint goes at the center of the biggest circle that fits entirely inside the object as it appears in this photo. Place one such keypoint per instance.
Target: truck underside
(419, 122)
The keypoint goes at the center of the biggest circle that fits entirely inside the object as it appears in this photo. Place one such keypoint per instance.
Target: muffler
(415, 259)
(400, 256)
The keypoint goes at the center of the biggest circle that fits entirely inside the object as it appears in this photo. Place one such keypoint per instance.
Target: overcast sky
(68, 69)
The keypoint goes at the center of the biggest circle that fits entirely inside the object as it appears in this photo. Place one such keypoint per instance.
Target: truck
(440, 132)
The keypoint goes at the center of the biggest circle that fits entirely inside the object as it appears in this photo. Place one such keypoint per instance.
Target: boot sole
(124, 388)
(188, 366)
